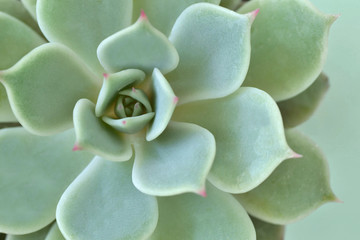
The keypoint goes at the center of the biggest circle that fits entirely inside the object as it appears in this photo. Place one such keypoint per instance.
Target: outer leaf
(165, 102)
(249, 134)
(30, 188)
(39, 235)
(30, 6)
(105, 190)
(298, 109)
(94, 135)
(164, 13)
(177, 161)
(17, 10)
(140, 46)
(268, 231)
(83, 24)
(213, 44)
(62, 78)
(16, 40)
(187, 216)
(289, 46)
(54, 233)
(296, 188)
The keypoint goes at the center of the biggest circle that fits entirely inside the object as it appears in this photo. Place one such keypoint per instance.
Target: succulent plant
(159, 119)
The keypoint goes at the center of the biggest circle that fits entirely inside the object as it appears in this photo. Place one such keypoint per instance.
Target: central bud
(132, 103)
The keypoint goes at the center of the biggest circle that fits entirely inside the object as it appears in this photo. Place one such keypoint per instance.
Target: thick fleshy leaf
(54, 233)
(44, 86)
(268, 231)
(296, 187)
(38, 235)
(214, 48)
(102, 203)
(162, 13)
(94, 135)
(177, 161)
(30, 6)
(288, 46)
(112, 84)
(16, 40)
(17, 10)
(165, 102)
(298, 109)
(83, 24)
(34, 172)
(140, 46)
(188, 216)
(130, 124)
(249, 134)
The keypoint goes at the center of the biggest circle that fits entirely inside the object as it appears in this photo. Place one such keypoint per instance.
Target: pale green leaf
(294, 189)
(129, 124)
(165, 102)
(298, 109)
(249, 135)
(162, 13)
(102, 203)
(188, 216)
(94, 135)
(38, 235)
(214, 49)
(288, 46)
(54, 233)
(268, 231)
(83, 24)
(6, 114)
(30, 6)
(112, 84)
(140, 46)
(44, 86)
(34, 173)
(177, 161)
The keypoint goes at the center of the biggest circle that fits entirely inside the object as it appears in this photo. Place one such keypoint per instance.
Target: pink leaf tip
(76, 147)
(338, 200)
(202, 192)
(124, 122)
(105, 75)
(133, 89)
(253, 14)
(296, 155)
(143, 15)
(176, 100)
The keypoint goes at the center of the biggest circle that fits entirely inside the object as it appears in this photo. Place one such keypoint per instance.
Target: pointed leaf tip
(76, 147)
(296, 155)
(106, 75)
(143, 15)
(176, 100)
(202, 192)
(337, 200)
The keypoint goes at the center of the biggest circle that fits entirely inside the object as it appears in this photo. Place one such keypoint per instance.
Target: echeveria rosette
(170, 114)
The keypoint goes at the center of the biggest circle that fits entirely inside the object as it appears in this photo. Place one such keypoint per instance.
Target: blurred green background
(335, 127)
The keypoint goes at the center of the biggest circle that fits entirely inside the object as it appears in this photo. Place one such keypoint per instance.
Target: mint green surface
(39, 235)
(213, 43)
(63, 80)
(249, 135)
(335, 128)
(298, 109)
(54, 233)
(94, 135)
(130, 124)
(284, 58)
(214, 217)
(295, 189)
(112, 84)
(162, 14)
(83, 24)
(30, 186)
(165, 103)
(177, 161)
(30, 6)
(16, 40)
(139, 46)
(268, 231)
(102, 203)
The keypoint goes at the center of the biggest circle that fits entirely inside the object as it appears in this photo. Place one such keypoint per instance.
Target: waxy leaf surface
(288, 46)
(294, 189)
(189, 216)
(44, 86)
(214, 49)
(30, 6)
(83, 24)
(102, 203)
(249, 135)
(177, 161)
(94, 135)
(38, 235)
(34, 173)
